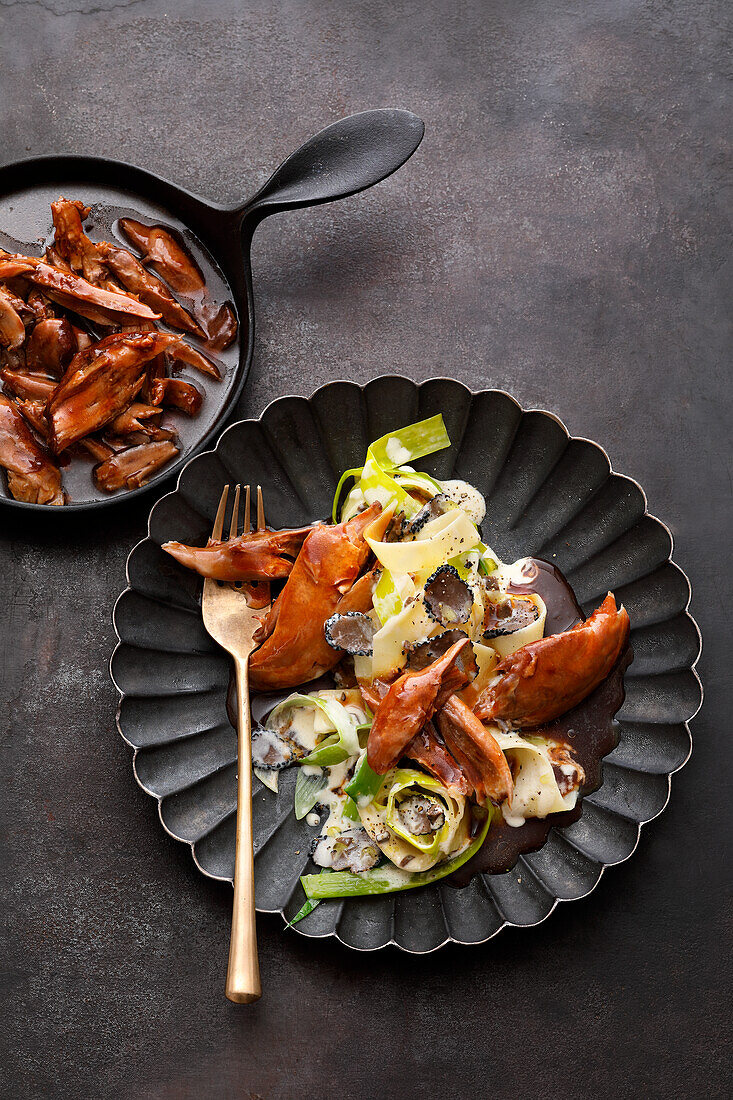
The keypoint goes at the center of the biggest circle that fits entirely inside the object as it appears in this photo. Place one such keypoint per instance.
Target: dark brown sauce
(546, 580)
(589, 729)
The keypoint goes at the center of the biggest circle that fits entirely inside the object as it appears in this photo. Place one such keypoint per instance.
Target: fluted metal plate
(548, 495)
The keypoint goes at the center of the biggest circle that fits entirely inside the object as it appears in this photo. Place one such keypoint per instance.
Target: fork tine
(246, 510)
(235, 514)
(260, 509)
(219, 521)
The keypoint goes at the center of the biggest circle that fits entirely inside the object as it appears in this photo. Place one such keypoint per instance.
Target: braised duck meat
(177, 394)
(148, 288)
(12, 329)
(131, 468)
(27, 385)
(71, 243)
(51, 346)
(258, 555)
(295, 649)
(544, 679)
(165, 255)
(33, 477)
(99, 384)
(476, 750)
(410, 702)
(103, 307)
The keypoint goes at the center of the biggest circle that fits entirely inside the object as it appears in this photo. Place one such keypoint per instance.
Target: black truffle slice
(271, 751)
(353, 850)
(435, 507)
(352, 632)
(448, 599)
(422, 654)
(507, 616)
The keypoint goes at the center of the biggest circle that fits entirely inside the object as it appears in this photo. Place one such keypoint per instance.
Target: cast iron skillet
(341, 160)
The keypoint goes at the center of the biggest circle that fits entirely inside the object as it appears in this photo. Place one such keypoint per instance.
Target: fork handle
(243, 973)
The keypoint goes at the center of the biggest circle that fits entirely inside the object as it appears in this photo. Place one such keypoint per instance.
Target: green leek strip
(406, 444)
(377, 484)
(381, 880)
(415, 480)
(350, 810)
(486, 563)
(335, 747)
(387, 600)
(307, 790)
(305, 910)
(417, 440)
(364, 783)
(355, 473)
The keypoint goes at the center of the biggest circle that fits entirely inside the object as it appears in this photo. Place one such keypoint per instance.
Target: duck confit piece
(258, 555)
(29, 386)
(165, 255)
(476, 750)
(131, 468)
(103, 307)
(71, 243)
(32, 475)
(544, 679)
(427, 750)
(321, 583)
(12, 329)
(99, 384)
(148, 288)
(51, 346)
(177, 393)
(410, 702)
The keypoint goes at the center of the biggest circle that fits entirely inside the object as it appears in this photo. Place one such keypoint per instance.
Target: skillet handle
(345, 158)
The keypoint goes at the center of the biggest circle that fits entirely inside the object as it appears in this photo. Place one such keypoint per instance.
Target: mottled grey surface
(561, 233)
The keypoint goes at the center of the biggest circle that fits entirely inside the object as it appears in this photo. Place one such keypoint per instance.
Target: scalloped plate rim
(506, 923)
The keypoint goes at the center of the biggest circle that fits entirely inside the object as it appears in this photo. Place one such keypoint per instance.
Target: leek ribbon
(386, 879)
(385, 456)
(335, 747)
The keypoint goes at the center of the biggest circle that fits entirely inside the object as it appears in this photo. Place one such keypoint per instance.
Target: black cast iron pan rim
(392, 943)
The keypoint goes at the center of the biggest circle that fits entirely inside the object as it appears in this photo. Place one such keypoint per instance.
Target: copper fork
(232, 623)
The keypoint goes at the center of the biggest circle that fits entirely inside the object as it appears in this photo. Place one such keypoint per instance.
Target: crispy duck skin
(100, 383)
(32, 475)
(51, 346)
(72, 244)
(148, 288)
(29, 386)
(320, 584)
(165, 255)
(176, 393)
(103, 307)
(12, 329)
(131, 468)
(411, 701)
(259, 555)
(544, 679)
(476, 750)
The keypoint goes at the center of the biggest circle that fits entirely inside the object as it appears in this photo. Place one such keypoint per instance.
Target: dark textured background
(561, 233)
